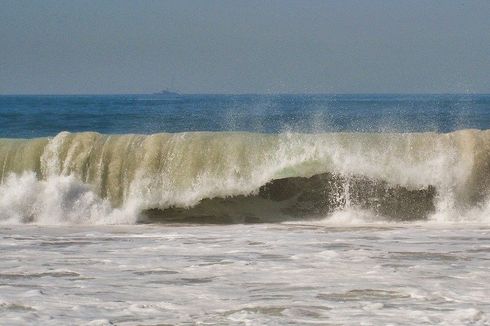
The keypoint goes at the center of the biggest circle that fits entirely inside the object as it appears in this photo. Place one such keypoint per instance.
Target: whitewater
(90, 178)
(245, 210)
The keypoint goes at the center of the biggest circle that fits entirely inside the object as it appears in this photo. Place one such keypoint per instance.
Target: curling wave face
(243, 177)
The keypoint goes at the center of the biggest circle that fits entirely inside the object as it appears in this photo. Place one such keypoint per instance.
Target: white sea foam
(57, 200)
(245, 274)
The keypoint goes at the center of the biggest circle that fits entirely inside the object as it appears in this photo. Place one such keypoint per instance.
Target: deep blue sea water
(36, 116)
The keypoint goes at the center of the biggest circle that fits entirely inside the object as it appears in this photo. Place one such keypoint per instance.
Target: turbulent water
(243, 177)
(259, 274)
(376, 210)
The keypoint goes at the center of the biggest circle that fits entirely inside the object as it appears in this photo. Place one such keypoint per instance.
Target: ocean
(245, 209)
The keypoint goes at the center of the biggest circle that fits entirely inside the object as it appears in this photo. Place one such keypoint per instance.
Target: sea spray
(95, 178)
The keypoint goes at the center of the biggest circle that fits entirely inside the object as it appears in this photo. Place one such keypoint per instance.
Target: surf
(239, 177)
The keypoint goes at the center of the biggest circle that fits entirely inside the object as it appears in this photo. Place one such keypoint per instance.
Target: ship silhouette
(166, 93)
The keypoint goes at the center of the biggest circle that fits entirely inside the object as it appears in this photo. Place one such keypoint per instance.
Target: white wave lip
(95, 178)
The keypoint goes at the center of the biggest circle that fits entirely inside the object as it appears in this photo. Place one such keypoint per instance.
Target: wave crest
(205, 176)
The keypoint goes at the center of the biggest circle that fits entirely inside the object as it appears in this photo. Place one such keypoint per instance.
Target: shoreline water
(236, 274)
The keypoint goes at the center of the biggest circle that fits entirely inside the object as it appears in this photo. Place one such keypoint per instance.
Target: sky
(344, 46)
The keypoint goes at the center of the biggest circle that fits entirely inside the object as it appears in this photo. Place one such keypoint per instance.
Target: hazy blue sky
(244, 46)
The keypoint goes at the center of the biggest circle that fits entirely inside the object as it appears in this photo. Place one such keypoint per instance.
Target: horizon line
(246, 94)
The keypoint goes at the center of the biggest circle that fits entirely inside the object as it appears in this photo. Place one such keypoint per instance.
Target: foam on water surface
(245, 274)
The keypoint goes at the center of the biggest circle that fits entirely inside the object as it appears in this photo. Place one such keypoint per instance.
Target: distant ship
(167, 93)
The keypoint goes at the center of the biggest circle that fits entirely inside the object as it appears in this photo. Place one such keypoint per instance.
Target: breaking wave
(228, 177)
